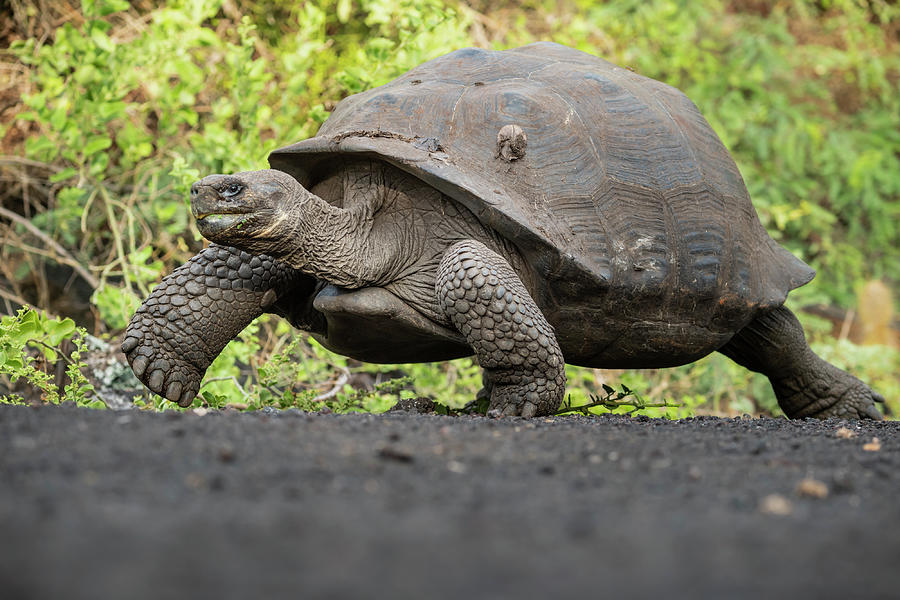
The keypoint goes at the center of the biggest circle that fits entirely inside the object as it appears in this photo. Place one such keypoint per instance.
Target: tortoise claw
(130, 344)
(871, 412)
(155, 382)
(139, 366)
(187, 396)
(173, 392)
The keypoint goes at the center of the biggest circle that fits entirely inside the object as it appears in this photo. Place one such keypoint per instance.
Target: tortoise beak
(216, 215)
(214, 225)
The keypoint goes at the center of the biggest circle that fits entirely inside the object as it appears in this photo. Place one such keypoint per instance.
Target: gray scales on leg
(515, 345)
(195, 311)
(806, 386)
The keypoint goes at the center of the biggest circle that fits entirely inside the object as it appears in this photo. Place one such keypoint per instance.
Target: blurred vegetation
(109, 109)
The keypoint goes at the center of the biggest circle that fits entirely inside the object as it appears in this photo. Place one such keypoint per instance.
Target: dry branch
(62, 255)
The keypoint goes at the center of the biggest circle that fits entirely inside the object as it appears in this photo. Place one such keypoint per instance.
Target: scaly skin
(194, 312)
(515, 345)
(805, 385)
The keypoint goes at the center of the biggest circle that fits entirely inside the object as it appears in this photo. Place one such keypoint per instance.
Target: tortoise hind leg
(482, 296)
(806, 386)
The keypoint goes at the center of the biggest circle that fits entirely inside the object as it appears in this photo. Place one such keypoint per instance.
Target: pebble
(776, 504)
(812, 488)
(454, 466)
(873, 446)
(844, 433)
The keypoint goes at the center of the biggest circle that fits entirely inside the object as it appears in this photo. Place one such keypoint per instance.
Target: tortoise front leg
(195, 311)
(515, 345)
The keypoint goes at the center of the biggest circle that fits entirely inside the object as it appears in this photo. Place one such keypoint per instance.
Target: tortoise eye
(232, 190)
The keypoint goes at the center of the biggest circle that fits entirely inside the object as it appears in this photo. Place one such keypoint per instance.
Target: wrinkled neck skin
(322, 240)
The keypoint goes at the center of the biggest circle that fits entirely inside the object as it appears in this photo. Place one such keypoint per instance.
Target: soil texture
(130, 504)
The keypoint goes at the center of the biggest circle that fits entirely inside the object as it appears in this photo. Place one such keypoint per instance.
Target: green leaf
(63, 175)
(58, 330)
(49, 353)
(102, 8)
(29, 326)
(41, 148)
(12, 364)
(101, 40)
(344, 10)
(28, 115)
(99, 164)
(97, 144)
(111, 110)
(70, 196)
(59, 117)
(442, 409)
(379, 49)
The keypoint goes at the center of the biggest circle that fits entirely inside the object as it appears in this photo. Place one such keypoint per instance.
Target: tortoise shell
(643, 242)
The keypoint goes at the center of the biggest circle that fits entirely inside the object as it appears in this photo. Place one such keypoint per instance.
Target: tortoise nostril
(195, 188)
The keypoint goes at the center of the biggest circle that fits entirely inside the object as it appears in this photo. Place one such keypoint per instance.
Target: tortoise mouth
(216, 224)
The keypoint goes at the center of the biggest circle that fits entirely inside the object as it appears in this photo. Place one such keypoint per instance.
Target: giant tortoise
(532, 206)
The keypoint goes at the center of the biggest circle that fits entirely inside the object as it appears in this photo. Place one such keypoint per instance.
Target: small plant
(378, 399)
(297, 374)
(609, 402)
(29, 329)
(613, 400)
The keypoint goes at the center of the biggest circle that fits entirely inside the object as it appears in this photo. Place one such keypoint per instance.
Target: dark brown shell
(629, 209)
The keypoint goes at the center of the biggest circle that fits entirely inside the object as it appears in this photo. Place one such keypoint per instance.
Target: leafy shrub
(127, 106)
(29, 329)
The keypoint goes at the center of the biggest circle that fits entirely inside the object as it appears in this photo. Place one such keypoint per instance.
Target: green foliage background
(121, 105)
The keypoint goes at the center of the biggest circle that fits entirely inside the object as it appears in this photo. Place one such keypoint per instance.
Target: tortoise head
(246, 210)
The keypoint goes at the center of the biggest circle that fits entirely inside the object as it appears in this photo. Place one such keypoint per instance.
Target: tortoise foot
(828, 392)
(805, 385)
(528, 399)
(193, 313)
(161, 367)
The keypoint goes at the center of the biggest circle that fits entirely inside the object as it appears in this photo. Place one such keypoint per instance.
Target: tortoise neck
(330, 243)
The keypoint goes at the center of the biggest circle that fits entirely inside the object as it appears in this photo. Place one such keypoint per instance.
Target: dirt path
(100, 504)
